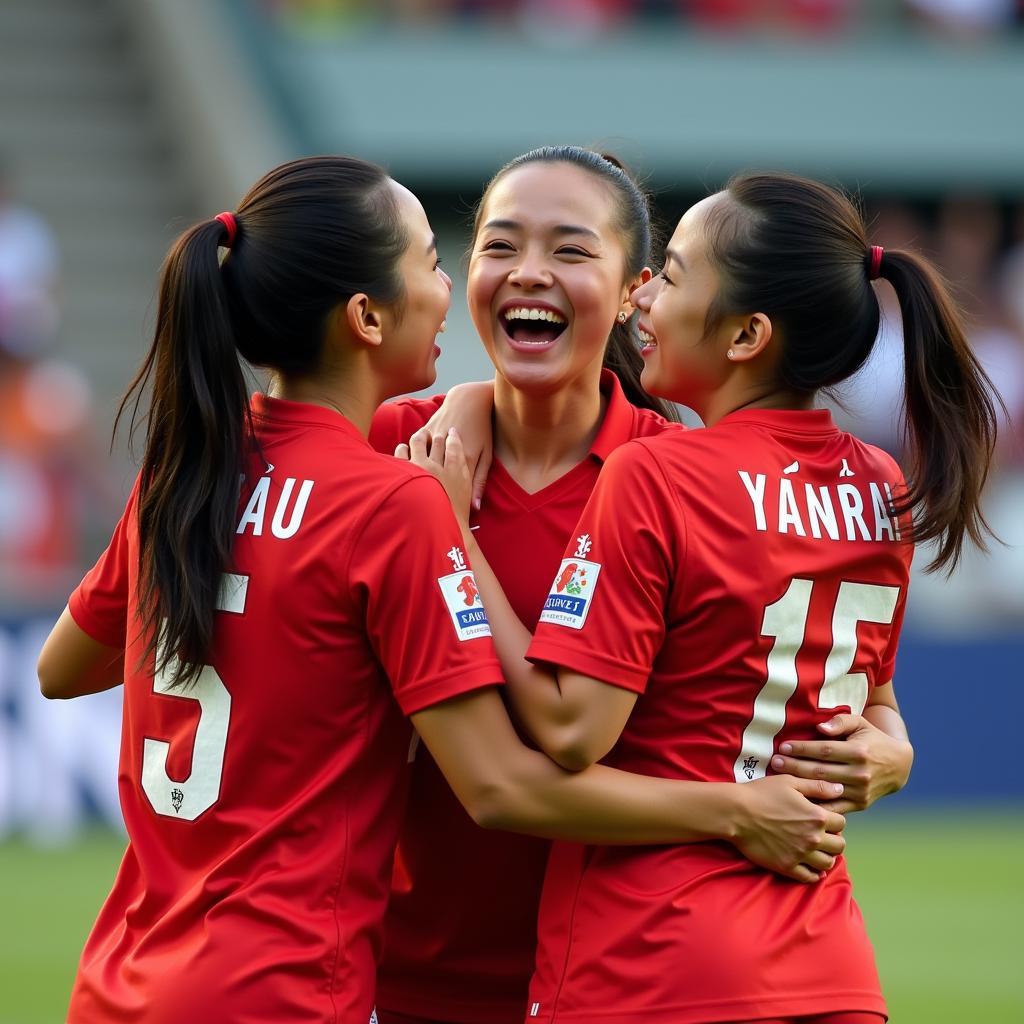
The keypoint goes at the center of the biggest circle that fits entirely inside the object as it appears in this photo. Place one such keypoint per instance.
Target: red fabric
(694, 608)
(266, 902)
(461, 925)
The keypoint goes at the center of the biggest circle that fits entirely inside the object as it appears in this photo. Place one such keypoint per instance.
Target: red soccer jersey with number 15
(746, 581)
(263, 803)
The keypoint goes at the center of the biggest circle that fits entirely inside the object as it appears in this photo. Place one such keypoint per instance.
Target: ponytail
(195, 452)
(307, 236)
(950, 423)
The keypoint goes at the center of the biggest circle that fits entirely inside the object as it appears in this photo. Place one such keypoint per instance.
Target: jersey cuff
(608, 670)
(99, 629)
(433, 691)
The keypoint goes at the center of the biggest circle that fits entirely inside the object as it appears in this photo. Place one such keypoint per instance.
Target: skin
(372, 352)
(577, 719)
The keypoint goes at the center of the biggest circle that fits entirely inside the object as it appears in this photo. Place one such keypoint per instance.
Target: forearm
(604, 806)
(888, 720)
(72, 664)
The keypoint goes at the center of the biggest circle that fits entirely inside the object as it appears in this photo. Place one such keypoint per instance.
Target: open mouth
(647, 340)
(532, 325)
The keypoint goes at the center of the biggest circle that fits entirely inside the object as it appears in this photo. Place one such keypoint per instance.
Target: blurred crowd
(51, 471)
(965, 20)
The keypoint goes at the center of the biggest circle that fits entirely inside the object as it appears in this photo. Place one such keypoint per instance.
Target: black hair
(798, 251)
(310, 234)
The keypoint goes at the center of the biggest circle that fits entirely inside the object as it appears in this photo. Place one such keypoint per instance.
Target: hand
(442, 456)
(867, 761)
(781, 829)
(468, 408)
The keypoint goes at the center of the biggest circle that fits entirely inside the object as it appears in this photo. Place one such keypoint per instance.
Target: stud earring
(622, 317)
(731, 354)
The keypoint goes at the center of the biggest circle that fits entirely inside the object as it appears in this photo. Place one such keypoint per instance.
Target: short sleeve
(99, 604)
(605, 612)
(887, 669)
(424, 614)
(395, 422)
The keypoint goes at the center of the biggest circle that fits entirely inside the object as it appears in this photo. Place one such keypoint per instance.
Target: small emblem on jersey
(534, 1009)
(750, 766)
(458, 559)
(793, 467)
(570, 595)
(373, 1016)
(583, 545)
(464, 603)
(177, 799)
(845, 469)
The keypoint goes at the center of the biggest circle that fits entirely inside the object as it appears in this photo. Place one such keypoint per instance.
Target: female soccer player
(273, 615)
(561, 238)
(727, 589)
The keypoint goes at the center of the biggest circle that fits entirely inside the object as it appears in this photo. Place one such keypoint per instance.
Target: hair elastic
(230, 225)
(875, 266)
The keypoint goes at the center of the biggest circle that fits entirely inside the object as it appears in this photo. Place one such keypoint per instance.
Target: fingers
(835, 823)
(818, 789)
(483, 467)
(843, 752)
(846, 774)
(816, 860)
(437, 448)
(841, 725)
(842, 806)
(802, 873)
(452, 447)
(402, 452)
(832, 844)
(418, 447)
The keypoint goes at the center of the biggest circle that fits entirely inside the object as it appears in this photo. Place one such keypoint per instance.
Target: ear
(364, 320)
(642, 278)
(749, 337)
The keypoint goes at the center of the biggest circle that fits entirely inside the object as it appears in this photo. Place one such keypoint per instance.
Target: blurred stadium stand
(122, 120)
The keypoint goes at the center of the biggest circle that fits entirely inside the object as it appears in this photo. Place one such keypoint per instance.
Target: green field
(942, 894)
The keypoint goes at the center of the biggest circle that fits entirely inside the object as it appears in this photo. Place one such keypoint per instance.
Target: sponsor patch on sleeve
(570, 595)
(464, 605)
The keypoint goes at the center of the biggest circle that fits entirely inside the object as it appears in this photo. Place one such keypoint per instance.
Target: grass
(941, 891)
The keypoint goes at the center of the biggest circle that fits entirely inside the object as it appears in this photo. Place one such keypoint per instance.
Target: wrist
(729, 817)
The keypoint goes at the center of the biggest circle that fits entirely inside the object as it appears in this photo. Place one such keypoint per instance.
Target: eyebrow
(558, 229)
(670, 255)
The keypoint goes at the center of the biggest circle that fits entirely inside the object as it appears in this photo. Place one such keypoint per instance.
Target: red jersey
(263, 803)
(746, 581)
(461, 927)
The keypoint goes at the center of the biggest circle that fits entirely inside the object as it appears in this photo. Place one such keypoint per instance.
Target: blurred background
(121, 121)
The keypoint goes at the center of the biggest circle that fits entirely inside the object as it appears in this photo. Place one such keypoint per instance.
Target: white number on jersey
(786, 621)
(199, 792)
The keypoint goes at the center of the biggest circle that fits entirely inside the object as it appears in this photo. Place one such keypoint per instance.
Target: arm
(72, 663)
(574, 719)
(872, 758)
(467, 408)
(504, 784)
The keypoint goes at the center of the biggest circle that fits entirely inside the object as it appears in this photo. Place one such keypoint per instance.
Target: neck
(540, 437)
(352, 394)
(751, 396)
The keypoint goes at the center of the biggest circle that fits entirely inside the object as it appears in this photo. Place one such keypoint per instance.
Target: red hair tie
(875, 266)
(230, 225)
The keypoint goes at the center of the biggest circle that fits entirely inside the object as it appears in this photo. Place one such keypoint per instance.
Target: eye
(496, 246)
(438, 262)
(665, 277)
(571, 250)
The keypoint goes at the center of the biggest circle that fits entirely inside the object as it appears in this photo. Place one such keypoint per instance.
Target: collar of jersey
(617, 426)
(793, 421)
(302, 414)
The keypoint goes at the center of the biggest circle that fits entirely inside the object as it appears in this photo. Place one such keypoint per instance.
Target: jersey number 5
(188, 798)
(786, 621)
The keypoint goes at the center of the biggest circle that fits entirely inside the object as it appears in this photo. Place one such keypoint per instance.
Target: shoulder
(648, 423)
(394, 422)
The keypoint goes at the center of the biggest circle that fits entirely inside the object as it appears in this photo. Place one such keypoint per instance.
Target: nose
(444, 277)
(530, 271)
(643, 296)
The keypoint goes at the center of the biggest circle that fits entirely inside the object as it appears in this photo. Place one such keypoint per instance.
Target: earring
(622, 317)
(731, 354)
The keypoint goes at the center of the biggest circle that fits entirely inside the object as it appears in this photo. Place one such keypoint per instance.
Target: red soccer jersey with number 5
(263, 803)
(746, 581)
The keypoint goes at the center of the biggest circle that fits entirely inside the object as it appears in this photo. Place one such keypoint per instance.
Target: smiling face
(409, 352)
(681, 361)
(547, 275)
